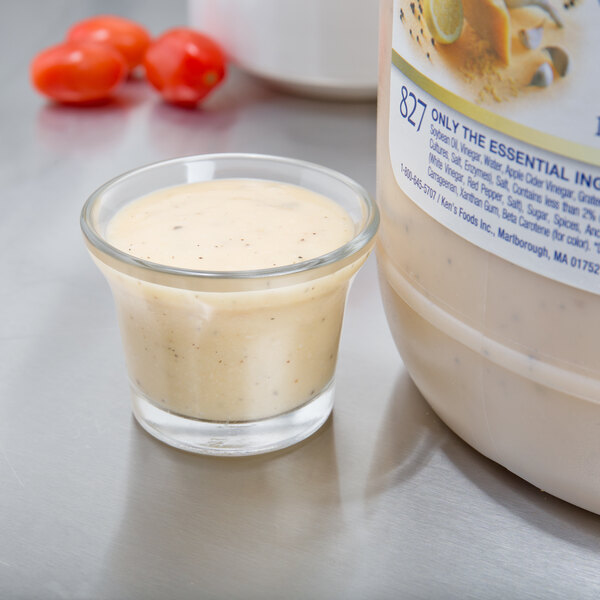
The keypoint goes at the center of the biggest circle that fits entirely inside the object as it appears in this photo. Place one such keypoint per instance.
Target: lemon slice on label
(444, 19)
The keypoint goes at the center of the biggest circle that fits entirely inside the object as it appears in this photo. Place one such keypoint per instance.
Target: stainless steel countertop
(383, 502)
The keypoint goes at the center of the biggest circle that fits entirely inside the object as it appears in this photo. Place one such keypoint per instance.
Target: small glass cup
(230, 362)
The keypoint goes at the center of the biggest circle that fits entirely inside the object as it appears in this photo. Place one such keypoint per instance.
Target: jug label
(496, 135)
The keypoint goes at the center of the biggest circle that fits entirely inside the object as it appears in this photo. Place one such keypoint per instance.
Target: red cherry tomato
(184, 66)
(78, 72)
(128, 37)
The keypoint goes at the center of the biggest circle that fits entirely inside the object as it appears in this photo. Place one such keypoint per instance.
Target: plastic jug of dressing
(489, 249)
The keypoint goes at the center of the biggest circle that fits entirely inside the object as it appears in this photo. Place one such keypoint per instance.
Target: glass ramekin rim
(351, 247)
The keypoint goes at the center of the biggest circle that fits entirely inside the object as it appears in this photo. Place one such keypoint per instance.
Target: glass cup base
(236, 438)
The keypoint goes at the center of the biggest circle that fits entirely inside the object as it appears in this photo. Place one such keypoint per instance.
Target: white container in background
(322, 48)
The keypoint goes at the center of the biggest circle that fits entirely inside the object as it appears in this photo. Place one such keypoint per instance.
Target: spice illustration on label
(501, 48)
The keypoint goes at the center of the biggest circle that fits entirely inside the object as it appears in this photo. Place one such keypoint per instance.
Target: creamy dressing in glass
(230, 225)
(230, 356)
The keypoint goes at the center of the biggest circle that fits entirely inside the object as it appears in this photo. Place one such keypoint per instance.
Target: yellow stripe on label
(580, 152)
